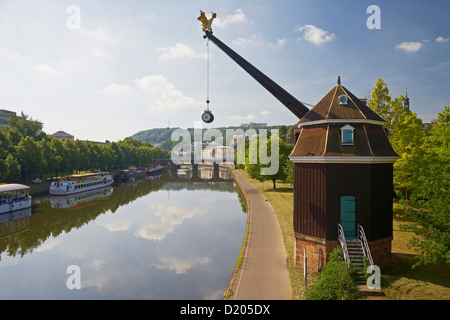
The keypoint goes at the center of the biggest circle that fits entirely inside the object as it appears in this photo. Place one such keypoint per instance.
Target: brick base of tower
(318, 251)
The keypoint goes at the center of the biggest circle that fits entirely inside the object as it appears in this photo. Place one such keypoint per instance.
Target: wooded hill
(161, 137)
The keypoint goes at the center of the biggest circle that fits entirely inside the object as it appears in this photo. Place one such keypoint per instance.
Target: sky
(107, 69)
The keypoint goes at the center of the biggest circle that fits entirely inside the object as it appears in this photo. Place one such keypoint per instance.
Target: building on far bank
(4, 116)
(216, 152)
(63, 135)
(253, 124)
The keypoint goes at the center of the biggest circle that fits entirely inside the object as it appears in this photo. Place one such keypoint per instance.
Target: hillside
(162, 136)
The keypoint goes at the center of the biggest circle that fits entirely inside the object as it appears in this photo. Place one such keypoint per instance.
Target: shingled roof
(329, 108)
(320, 131)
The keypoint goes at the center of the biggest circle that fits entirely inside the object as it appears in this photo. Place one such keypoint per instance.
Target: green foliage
(421, 174)
(337, 255)
(335, 282)
(429, 203)
(162, 136)
(254, 170)
(26, 152)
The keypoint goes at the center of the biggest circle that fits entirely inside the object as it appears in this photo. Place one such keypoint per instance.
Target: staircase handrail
(341, 239)
(363, 239)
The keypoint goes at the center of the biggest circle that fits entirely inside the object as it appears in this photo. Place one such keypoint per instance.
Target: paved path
(263, 274)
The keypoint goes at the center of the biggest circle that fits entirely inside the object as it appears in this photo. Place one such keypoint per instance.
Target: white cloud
(171, 217)
(411, 46)
(247, 117)
(315, 34)
(99, 34)
(181, 266)
(48, 245)
(169, 98)
(118, 89)
(117, 226)
(266, 113)
(179, 51)
(441, 39)
(47, 70)
(238, 17)
(257, 40)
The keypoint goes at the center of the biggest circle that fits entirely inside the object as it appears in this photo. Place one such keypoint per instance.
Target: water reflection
(151, 239)
(59, 202)
(14, 222)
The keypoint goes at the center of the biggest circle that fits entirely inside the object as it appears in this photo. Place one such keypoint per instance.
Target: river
(162, 238)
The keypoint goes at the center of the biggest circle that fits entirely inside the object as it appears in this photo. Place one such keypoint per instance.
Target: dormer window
(343, 99)
(347, 135)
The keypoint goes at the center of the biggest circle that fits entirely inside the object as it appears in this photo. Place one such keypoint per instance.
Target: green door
(348, 221)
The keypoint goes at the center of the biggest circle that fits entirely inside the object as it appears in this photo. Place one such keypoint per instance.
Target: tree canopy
(421, 174)
(27, 152)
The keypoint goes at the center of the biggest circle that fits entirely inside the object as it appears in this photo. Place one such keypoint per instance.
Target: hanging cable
(207, 75)
(207, 116)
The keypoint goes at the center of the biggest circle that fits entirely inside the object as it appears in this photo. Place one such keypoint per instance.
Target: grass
(400, 281)
(282, 201)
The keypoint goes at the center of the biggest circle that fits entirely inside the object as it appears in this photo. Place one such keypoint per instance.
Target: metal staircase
(355, 253)
(354, 248)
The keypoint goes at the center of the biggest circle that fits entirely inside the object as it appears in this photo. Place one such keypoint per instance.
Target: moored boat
(79, 183)
(14, 197)
(154, 171)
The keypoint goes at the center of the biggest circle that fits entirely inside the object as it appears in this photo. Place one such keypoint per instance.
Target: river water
(162, 238)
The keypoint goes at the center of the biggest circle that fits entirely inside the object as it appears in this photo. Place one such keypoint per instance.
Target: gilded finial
(339, 81)
(206, 23)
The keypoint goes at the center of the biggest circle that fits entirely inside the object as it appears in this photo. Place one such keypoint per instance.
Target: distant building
(4, 116)
(253, 124)
(406, 102)
(217, 152)
(63, 135)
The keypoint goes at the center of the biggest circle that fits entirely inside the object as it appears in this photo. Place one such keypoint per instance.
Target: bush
(337, 255)
(336, 281)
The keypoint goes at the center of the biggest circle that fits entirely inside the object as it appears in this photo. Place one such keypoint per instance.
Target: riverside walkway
(263, 273)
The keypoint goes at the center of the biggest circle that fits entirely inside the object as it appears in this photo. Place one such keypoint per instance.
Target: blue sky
(135, 65)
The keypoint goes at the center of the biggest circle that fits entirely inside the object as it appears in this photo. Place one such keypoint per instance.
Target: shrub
(336, 281)
(337, 255)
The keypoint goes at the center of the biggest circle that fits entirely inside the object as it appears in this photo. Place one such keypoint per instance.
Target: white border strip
(310, 159)
(346, 121)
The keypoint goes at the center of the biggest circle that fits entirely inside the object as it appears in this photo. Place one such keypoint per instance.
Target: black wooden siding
(318, 188)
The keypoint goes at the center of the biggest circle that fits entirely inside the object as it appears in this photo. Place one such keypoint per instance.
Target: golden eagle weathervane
(206, 23)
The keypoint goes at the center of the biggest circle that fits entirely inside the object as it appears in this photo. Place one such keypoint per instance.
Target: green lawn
(399, 281)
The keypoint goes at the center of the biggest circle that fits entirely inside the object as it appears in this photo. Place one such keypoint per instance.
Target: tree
(12, 169)
(50, 159)
(27, 126)
(429, 203)
(407, 137)
(405, 132)
(380, 101)
(254, 170)
(29, 156)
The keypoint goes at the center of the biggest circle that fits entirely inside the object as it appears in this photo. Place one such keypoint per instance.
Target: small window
(343, 99)
(347, 134)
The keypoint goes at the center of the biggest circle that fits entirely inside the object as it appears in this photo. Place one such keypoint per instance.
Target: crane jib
(290, 102)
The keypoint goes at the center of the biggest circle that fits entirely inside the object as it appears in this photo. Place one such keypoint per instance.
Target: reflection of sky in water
(169, 244)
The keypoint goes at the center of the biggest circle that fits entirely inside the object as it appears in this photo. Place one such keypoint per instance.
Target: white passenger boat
(79, 183)
(14, 197)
